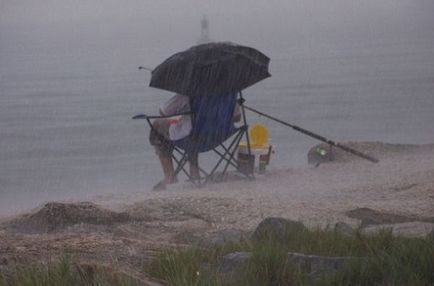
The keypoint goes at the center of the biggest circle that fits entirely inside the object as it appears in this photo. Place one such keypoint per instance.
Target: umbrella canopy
(212, 68)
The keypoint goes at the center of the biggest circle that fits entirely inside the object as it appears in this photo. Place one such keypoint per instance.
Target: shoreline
(388, 153)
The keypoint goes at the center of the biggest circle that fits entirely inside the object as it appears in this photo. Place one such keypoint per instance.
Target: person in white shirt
(175, 128)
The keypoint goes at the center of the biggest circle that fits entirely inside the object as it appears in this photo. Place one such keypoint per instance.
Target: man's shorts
(158, 136)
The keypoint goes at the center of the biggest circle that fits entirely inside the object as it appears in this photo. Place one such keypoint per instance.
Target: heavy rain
(360, 73)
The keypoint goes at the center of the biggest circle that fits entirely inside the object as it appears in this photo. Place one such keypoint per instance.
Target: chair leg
(232, 153)
(234, 143)
(226, 151)
(180, 164)
(194, 174)
(194, 167)
(227, 155)
(181, 153)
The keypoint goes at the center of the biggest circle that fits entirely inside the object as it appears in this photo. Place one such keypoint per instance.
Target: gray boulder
(318, 265)
(233, 261)
(313, 265)
(373, 217)
(407, 229)
(344, 229)
(276, 228)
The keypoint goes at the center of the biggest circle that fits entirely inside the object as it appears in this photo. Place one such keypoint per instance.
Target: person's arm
(176, 104)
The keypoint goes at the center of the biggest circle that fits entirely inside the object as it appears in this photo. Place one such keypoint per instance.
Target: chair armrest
(144, 116)
(139, 116)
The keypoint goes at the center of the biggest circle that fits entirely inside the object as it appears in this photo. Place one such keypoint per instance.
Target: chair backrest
(212, 121)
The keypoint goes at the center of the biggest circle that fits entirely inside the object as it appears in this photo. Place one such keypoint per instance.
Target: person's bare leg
(194, 166)
(169, 172)
(157, 137)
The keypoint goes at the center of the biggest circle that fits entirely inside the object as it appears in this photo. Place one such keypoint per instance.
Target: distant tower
(204, 31)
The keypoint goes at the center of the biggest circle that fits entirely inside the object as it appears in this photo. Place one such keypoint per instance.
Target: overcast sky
(174, 24)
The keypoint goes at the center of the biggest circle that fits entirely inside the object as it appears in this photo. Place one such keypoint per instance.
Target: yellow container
(259, 147)
(259, 135)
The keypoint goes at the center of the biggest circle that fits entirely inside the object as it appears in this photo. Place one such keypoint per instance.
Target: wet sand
(402, 182)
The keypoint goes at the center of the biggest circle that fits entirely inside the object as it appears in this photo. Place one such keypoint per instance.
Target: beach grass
(384, 260)
(63, 271)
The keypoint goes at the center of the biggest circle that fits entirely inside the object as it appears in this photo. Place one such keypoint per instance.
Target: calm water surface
(66, 132)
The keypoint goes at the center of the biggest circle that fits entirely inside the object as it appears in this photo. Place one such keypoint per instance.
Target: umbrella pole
(243, 111)
(316, 136)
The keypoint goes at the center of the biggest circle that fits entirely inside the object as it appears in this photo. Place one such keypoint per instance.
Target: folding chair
(212, 126)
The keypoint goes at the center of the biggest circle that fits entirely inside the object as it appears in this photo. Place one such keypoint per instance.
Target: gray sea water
(65, 109)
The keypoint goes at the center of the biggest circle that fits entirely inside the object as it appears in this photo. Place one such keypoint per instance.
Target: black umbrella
(212, 68)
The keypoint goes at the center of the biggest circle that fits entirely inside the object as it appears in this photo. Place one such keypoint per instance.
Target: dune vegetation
(380, 259)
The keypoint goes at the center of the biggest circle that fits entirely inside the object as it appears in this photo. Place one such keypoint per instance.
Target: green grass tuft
(60, 272)
(387, 260)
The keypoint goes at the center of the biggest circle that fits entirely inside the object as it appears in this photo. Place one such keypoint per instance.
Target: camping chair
(212, 126)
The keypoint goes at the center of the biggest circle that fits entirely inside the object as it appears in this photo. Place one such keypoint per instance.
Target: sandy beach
(128, 229)
(402, 182)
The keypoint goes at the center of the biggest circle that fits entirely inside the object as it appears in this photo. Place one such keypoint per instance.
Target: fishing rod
(316, 136)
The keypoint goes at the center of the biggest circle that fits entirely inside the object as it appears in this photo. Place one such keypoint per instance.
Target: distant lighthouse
(204, 31)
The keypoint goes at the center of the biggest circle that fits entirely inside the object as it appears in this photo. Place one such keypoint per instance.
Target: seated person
(175, 128)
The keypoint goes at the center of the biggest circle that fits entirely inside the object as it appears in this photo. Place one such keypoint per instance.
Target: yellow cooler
(260, 151)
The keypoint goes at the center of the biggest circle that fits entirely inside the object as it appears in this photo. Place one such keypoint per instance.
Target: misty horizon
(170, 26)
